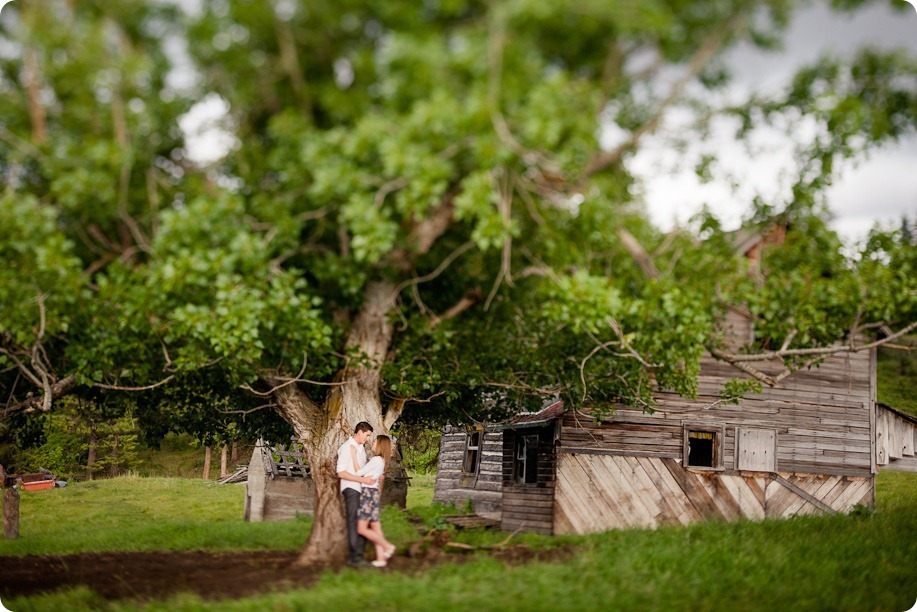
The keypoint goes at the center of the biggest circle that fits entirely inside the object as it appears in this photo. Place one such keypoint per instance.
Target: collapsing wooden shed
(279, 486)
(811, 445)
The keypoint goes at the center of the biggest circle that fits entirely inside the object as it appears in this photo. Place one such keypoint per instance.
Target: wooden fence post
(224, 460)
(10, 513)
(206, 474)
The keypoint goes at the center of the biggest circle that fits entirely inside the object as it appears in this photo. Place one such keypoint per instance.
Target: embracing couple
(360, 480)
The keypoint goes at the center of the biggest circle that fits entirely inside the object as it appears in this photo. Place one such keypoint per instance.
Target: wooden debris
(470, 521)
(240, 475)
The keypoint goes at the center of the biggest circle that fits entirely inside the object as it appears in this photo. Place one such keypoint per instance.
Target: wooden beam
(812, 500)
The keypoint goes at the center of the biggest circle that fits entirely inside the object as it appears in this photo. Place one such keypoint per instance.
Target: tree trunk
(10, 513)
(206, 474)
(323, 429)
(113, 467)
(93, 445)
(224, 460)
(234, 455)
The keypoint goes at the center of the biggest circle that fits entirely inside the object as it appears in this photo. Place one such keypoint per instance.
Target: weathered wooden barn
(813, 444)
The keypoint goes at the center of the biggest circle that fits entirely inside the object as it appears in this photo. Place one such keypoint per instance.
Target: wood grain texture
(822, 419)
(896, 438)
(599, 492)
(484, 487)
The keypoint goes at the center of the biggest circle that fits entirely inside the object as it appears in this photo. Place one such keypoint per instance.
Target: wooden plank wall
(896, 438)
(598, 492)
(483, 488)
(529, 507)
(821, 417)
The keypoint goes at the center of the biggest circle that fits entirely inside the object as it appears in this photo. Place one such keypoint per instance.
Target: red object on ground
(36, 482)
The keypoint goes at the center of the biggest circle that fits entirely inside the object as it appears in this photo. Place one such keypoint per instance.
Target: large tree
(417, 213)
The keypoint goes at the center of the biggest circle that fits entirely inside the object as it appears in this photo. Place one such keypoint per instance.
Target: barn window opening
(472, 452)
(703, 446)
(526, 468)
(701, 449)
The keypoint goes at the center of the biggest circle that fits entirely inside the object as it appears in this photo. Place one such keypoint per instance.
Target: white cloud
(208, 137)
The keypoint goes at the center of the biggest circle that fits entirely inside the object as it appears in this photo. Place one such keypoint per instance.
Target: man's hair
(362, 426)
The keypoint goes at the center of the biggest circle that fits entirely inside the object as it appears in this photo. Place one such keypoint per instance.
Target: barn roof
(532, 419)
(747, 238)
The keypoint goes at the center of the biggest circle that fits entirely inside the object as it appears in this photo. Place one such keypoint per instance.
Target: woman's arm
(353, 457)
(371, 465)
(356, 476)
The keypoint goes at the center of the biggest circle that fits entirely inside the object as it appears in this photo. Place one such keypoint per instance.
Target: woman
(368, 524)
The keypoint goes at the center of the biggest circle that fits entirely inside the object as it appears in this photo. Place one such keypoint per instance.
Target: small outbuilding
(279, 485)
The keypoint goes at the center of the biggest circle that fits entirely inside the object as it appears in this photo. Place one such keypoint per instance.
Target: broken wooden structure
(279, 486)
(896, 438)
(811, 445)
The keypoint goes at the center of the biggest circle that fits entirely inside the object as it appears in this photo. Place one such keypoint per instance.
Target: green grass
(420, 492)
(132, 513)
(896, 371)
(864, 561)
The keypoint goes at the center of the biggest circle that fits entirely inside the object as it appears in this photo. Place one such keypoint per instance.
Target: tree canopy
(416, 215)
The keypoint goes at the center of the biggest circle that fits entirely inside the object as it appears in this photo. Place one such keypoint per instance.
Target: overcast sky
(881, 188)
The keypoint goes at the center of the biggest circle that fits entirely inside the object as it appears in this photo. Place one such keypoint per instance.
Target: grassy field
(897, 375)
(864, 561)
(135, 514)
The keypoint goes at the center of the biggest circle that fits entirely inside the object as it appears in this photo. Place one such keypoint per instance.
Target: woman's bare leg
(387, 547)
(364, 529)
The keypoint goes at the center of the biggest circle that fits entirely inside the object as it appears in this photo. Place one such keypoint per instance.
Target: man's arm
(367, 480)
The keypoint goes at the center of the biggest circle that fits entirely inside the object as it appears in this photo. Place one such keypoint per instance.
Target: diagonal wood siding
(600, 492)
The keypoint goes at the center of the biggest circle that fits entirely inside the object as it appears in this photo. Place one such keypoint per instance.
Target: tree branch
(289, 60)
(425, 234)
(393, 413)
(439, 269)
(639, 254)
(146, 388)
(471, 297)
(22, 367)
(742, 362)
(299, 410)
(496, 43)
(59, 389)
(33, 89)
(852, 347)
(702, 56)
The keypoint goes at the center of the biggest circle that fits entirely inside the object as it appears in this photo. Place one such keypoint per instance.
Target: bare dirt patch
(156, 575)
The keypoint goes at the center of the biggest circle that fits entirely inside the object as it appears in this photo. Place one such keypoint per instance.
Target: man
(352, 457)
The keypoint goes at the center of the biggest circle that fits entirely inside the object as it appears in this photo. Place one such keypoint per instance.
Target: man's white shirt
(345, 463)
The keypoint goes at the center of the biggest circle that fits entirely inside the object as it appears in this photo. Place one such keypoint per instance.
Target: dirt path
(155, 575)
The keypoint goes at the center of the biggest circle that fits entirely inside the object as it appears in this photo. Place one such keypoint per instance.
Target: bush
(63, 453)
(419, 446)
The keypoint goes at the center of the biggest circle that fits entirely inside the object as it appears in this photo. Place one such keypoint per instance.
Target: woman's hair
(385, 448)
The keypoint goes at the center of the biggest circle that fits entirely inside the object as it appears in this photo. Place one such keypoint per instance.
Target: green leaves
(478, 203)
(446, 150)
(38, 264)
